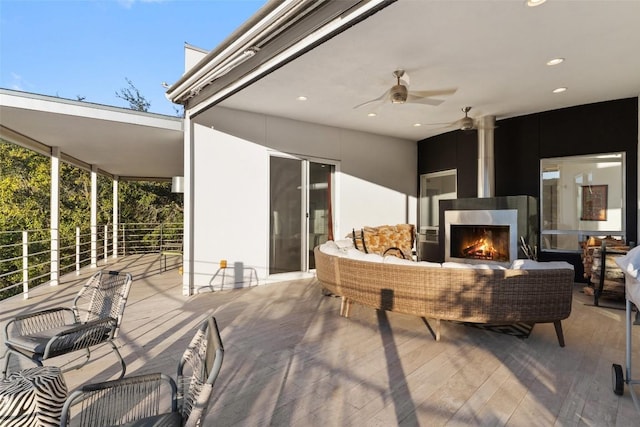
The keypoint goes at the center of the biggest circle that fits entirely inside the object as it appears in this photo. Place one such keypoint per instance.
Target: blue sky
(88, 48)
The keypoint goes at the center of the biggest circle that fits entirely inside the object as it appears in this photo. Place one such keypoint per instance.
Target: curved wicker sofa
(475, 295)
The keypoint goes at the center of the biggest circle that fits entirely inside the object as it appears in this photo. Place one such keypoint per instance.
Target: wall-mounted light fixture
(177, 184)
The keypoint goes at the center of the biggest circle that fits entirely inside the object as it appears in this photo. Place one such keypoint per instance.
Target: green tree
(146, 201)
(24, 205)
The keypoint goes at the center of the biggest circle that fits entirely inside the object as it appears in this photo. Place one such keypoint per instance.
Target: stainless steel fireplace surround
(525, 224)
(483, 217)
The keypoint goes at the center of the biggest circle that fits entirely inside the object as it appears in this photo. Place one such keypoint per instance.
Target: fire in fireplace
(481, 242)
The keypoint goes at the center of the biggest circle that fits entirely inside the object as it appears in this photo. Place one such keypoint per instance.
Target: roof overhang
(117, 141)
(278, 33)
(338, 55)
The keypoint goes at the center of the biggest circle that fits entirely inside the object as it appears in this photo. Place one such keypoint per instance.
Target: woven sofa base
(465, 295)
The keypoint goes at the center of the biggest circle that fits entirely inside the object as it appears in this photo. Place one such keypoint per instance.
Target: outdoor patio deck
(292, 360)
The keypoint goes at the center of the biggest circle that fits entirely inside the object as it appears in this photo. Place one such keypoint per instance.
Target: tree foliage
(133, 96)
(147, 201)
(25, 204)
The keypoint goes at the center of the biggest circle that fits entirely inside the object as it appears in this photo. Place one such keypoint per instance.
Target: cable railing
(26, 255)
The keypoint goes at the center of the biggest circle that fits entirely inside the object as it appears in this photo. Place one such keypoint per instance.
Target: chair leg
(8, 354)
(345, 306)
(122, 364)
(6, 364)
(559, 333)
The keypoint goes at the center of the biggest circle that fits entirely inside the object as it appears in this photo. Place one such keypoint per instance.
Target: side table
(32, 397)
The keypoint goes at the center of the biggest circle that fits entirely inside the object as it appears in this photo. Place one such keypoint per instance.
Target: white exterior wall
(376, 183)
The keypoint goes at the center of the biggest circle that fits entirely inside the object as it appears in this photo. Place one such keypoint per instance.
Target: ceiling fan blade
(378, 99)
(423, 100)
(445, 125)
(428, 93)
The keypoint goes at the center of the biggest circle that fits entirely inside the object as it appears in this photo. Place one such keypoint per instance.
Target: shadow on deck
(290, 359)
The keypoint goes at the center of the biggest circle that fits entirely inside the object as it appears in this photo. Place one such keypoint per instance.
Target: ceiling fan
(400, 94)
(465, 123)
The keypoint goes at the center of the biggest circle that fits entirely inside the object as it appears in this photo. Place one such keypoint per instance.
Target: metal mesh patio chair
(138, 400)
(93, 319)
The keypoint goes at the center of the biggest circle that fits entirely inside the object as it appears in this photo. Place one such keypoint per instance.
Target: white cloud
(127, 4)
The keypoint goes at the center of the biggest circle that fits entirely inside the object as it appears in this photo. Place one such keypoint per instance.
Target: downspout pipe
(486, 159)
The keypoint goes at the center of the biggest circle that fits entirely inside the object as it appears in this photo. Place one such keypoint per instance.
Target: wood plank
(292, 360)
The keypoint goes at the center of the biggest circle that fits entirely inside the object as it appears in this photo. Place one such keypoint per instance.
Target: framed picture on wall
(594, 203)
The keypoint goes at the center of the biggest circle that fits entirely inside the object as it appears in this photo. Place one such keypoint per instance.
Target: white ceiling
(119, 141)
(493, 52)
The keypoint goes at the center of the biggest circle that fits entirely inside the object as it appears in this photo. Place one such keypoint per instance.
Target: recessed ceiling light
(559, 90)
(555, 61)
(372, 114)
(417, 125)
(301, 98)
(534, 3)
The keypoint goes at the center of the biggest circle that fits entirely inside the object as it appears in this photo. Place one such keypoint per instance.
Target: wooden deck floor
(291, 360)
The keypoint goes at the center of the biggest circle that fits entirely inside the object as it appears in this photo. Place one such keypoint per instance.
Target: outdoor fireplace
(466, 225)
(481, 236)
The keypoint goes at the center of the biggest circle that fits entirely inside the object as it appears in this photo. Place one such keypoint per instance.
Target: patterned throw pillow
(394, 240)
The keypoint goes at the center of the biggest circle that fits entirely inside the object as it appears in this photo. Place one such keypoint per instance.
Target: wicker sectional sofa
(531, 292)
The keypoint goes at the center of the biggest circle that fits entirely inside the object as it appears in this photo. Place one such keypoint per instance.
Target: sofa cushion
(330, 248)
(452, 264)
(391, 259)
(344, 243)
(529, 264)
(429, 264)
(353, 253)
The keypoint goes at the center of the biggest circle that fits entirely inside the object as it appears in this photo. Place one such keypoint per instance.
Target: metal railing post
(124, 242)
(160, 243)
(106, 243)
(25, 265)
(77, 251)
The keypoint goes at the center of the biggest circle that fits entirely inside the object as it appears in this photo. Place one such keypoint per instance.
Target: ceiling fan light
(534, 3)
(466, 123)
(555, 61)
(398, 94)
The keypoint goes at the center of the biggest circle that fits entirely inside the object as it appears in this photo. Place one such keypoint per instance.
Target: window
(434, 187)
(582, 196)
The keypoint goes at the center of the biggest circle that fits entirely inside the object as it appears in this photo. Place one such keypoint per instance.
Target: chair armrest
(40, 321)
(83, 335)
(121, 401)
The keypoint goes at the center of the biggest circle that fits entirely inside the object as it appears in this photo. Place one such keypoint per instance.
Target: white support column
(187, 239)
(115, 217)
(94, 217)
(55, 217)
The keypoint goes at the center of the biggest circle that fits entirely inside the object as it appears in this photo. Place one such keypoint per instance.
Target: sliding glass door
(301, 209)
